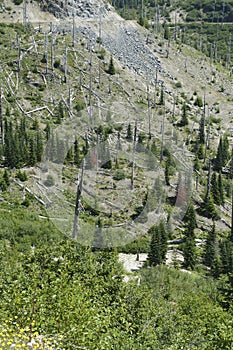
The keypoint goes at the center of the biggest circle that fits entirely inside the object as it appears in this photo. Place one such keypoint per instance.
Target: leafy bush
(119, 175)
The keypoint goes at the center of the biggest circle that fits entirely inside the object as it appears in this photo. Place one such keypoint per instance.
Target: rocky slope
(82, 8)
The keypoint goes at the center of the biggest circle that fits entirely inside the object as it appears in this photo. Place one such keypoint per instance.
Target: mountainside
(115, 138)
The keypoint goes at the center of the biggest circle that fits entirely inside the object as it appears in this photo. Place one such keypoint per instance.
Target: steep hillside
(115, 149)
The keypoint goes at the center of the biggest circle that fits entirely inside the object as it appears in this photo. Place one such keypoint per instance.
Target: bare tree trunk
(207, 138)
(19, 54)
(148, 108)
(78, 203)
(134, 150)
(155, 90)
(174, 108)
(1, 121)
(90, 96)
(162, 132)
(52, 51)
(208, 183)
(229, 53)
(25, 14)
(46, 53)
(73, 27)
(231, 237)
(65, 66)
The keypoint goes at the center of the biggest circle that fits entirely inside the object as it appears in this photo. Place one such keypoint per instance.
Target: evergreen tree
(189, 254)
(155, 256)
(201, 137)
(208, 208)
(189, 251)
(158, 244)
(70, 154)
(200, 152)
(219, 157)
(47, 130)
(215, 189)
(220, 189)
(32, 152)
(210, 251)
(164, 238)
(76, 153)
(6, 177)
(166, 32)
(226, 255)
(190, 220)
(129, 135)
(184, 118)
(154, 149)
(225, 150)
(59, 113)
(111, 68)
(167, 173)
(38, 146)
(161, 99)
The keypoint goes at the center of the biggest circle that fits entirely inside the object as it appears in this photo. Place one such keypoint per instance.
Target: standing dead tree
(78, 203)
(1, 119)
(134, 151)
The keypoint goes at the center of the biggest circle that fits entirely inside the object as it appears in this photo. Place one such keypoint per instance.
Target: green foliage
(119, 175)
(201, 138)
(214, 188)
(18, 2)
(158, 245)
(129, 135)
(166, 32)
(211, 250)
(111, 68)
(208, 208)
(189, 249)
(184, 117)
(21, 146)
(198, 102)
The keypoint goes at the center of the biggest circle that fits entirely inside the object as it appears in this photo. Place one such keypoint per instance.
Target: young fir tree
(111, 69)
(201, 136)
(189, 253)
(164, 238)
(184, 117)
(208, 207)
(226, 255)
(219, 157)
(210, 251)
(190, 218)
(214, 188)
(32, 152)
(189, 250)
(6, 177)
(129, 135)
(220, 189)
(47, 131)
(166, 32)
(59, 113)
(161, 99)
(158, 245)
(38, 146)
(225, 150)
(167, 173)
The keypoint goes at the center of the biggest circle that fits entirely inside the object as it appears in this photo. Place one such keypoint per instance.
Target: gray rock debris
(128, 46)
(81, 8)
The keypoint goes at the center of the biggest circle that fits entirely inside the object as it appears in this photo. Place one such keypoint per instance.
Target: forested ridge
(116, 140)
